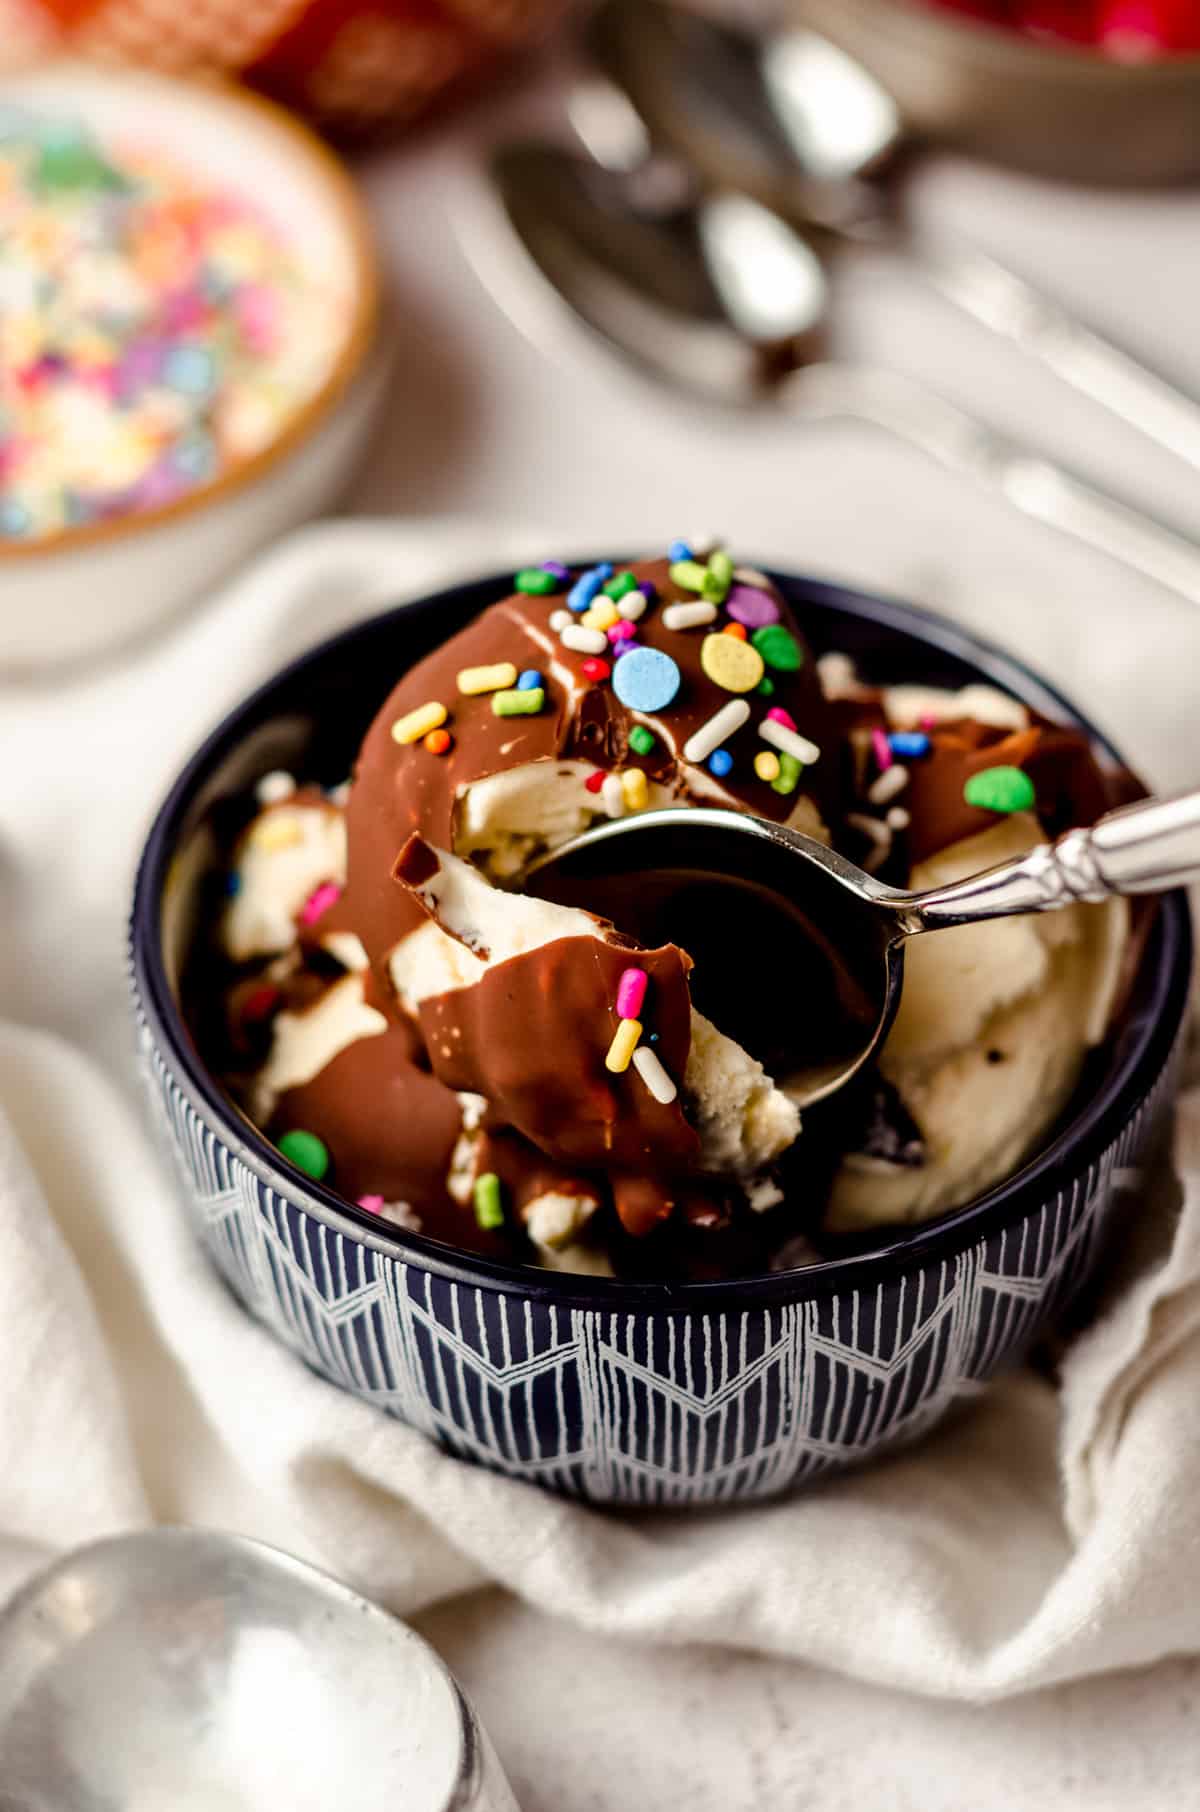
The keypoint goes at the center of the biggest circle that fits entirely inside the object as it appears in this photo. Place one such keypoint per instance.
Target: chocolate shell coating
(532, 1036)
(401, 789)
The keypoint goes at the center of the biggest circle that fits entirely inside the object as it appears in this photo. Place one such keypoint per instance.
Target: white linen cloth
(1042, 1537)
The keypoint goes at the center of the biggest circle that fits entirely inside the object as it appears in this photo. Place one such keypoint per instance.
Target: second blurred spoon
(722, 298)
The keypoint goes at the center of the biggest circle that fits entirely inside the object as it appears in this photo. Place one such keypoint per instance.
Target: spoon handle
(1039, 325)
(1143, 848)
(1033, 485)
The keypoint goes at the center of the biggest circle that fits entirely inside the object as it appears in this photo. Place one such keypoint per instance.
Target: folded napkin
(1047, 1534)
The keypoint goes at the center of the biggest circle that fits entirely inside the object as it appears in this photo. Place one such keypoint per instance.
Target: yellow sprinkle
(635, 789)
(624, 1044)
(419, 723)
(473, 680)
(733, 665)
(766, 765)
(278, 830)
(602, 615)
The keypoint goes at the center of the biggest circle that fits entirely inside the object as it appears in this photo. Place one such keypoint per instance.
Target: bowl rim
(321, 168)
(1067, 1156)
(1084, 62)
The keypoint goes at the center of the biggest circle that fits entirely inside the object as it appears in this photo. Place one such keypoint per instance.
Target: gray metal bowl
(1057, 111)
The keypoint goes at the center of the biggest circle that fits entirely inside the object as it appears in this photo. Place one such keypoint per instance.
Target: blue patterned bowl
(621, 1392)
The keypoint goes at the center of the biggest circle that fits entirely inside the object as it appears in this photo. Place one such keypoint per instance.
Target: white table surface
(556, 432)
(485, 420)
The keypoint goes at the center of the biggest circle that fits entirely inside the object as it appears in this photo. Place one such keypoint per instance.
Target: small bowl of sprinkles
(188, 346)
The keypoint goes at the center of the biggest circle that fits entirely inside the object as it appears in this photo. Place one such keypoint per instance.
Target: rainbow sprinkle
(154, 331)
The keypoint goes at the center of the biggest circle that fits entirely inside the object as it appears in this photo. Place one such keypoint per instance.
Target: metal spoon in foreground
(805, 949)
(189, 1671)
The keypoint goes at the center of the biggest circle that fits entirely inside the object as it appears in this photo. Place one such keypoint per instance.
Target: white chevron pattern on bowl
(653, 1407)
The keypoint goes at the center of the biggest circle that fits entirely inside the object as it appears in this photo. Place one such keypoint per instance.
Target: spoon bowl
(794, 957)
(798, 953)
(197, 1672)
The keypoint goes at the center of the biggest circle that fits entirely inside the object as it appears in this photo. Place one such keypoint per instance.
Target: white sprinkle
(838, 675)
(703, 546)
(898, 818)
(274, 787)
(340, 795)
(560, 620)
(717, 730)
(585, 641)
(632, 606)
(750, 575)
(653, 1075)
(688, 616)
(893, 780)
(612, 793)
(790, 742)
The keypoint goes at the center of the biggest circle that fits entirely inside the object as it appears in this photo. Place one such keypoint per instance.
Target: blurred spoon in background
(790, 118)
(722, 298)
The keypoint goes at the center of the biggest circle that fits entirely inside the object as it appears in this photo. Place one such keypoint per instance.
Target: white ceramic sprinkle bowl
(69, 596)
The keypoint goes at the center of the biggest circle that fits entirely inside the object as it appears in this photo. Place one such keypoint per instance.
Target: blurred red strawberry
(1139, 29)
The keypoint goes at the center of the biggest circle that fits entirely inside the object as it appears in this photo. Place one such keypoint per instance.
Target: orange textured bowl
(354, 64)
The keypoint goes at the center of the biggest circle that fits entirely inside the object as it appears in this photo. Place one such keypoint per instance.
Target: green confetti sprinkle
(306, 1152)
(779, 648)
(641, 740)
(1000, 790)
(489, 1205)
(536, 581)
(74, 164)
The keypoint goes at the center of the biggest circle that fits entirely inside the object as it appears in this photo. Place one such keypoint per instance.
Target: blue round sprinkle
(646, 680)
(679, 550)
(720, 763)
(190, 369)
(527, 681)
(233, 882)
(909, 743)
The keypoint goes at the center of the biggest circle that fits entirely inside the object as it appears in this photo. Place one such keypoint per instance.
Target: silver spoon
(812, 911)
(721, 297)
(796, 121)
(178, 1670)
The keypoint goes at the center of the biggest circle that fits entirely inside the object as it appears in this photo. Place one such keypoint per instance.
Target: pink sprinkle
(927, 723)
(631, 993)
(778, 715)
(882, 748)
(372, 1203)
(319, 901)
(622, 631)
